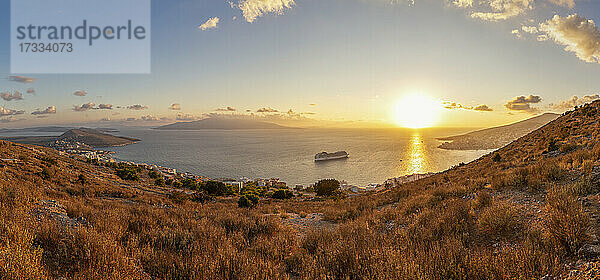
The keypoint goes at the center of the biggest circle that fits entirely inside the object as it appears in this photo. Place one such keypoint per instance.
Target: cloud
(47, 111)
(516, 32)
(10, 119)
(574, 101)
(463, 3)
(566, 3)
(186, 117)
(578, 34)
(7, 96)
(226, 109)
(31, 90)
(84, 107)
(312, 104)
(105, 107)
(209, 24)
(529, 29)
(504, 9)
(175, 107)
(455, 106)
(21, 79)
(9, 112)
(149, 118)
(252, 9)
(483, 108)
(523, 103)
(137, 107)
(80, 93)
(267, 110)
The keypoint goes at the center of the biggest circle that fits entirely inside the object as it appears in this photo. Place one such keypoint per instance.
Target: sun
(416, 111)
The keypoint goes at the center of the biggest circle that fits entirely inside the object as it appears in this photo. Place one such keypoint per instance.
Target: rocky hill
(88, 137)
(495, 137)
(530, 210)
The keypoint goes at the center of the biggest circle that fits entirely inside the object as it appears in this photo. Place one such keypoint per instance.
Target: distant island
(49, 129)
(496, 137)
(221, 123)
(87, 137)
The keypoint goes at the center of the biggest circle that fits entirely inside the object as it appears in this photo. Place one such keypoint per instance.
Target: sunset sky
(350, 62)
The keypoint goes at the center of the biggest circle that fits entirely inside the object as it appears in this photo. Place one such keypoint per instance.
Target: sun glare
(416, 111)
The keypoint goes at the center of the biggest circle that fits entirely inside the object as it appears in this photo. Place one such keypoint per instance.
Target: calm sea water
(375, 155)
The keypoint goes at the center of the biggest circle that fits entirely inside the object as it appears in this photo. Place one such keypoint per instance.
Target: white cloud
(504, 9)
(252, 9)
(578, 34)
(186, 117)
(267, 110)
(529, 29)
(566, 3)
(516, 32)
(463, 3)
(226, 109)
(209, 24)
(175, 107)
(47, 111)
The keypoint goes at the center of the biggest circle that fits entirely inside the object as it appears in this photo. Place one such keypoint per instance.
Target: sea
(288, 154)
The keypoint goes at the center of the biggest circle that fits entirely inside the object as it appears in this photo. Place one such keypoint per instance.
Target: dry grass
(449, 226)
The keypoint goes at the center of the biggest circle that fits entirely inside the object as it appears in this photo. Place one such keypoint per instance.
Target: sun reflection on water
(417, 154)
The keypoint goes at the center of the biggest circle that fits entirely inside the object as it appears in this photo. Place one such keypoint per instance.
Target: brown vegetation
(522, 217)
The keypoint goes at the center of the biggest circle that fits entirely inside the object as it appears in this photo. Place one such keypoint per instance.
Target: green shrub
(496, 157)
(248, 201)
(215, 188)
(282, 194)
(327, 187)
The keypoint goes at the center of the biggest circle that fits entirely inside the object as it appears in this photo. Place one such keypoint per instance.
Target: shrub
(45, 174)
(501, 221)
(128, 173)
(482, 200)
(282, 194)
(214, 188)
(178, 197)
(327, 187)
(153, 174)
(496, 157)
(567, 223)
(160, 181)
(248, 201)
(189, 184)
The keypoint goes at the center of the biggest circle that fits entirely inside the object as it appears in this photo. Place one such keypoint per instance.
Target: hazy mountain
(91, 137)
(220, 123)
(496, 137)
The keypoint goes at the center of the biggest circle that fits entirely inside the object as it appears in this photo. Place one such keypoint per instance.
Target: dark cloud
(10, 112)
(47, 111)
(483, 108)
(31, 90)
(175, 107)
(105, 106)
(523, 103)
(267, 110)
(80, 93)
(137, 107)
(10, 119)
(10, 97)
(84, 107)
(226, 109)
(574, 101)
(21, 79)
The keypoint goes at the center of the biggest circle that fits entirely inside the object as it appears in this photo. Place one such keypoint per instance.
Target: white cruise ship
(327, 156)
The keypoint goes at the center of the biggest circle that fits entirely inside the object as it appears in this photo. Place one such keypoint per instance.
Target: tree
(81, 179)
(214, 188)
(327, 187)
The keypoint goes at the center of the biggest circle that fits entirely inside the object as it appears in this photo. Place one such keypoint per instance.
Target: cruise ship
(327, 156)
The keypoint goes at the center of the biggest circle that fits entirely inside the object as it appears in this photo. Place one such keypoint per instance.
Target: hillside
(527, 211)
(221, 123)
(87, 136)
(495, 137)
(95, 138)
